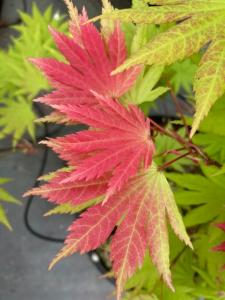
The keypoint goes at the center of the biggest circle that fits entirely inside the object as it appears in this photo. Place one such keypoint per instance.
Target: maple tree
(116, 168)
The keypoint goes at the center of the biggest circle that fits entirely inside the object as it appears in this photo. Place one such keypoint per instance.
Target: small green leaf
(183, 75)
(16, 118)
(206, 192)
(71, 209)
(3, 218)
(6, 197)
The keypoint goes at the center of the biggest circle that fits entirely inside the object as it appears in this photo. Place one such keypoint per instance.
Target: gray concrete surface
(24, 259)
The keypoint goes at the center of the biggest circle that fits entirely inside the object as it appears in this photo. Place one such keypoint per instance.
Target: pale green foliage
(206, 193)
(208, 260)
(144, 89)
(211, 137)
(107, 26)
(141, 277)
(17, 74)
(213, 145)
(200, 22)
(190, 275)
(20, 81)
(214, 122)
(183, 75)
(16, 117)
(5, 197)
(69, 209)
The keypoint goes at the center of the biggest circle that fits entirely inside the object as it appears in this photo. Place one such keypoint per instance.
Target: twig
(169, 163)
(188, 145)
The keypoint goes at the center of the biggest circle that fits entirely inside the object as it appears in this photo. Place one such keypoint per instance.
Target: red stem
(169, 163)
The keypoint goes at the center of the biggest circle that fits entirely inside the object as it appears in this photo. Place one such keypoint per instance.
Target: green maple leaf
(213, 145)
(145, 89)
(5, 197)
(20, 80)
(210, 262)
(16, 117)
(18, 75)
(183, 75)
(212, 132)
(206, 193)
(197, 22)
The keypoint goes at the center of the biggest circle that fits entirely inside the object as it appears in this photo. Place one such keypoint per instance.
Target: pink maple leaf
(76, 192)
(139, 210)
(91, 60)
(118, 142)
(112, 159)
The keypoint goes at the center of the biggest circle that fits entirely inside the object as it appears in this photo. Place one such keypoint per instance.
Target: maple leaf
(16, 117)
(6, 197)
(139, 209)
(118, 142)
(197, 23)
(91, 59)
(75, 193)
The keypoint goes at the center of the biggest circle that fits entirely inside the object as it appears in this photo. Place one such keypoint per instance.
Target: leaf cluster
(20, 82)
(7, 198)
(195, 25)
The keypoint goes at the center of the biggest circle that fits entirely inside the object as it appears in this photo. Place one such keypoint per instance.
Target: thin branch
(188, 145)
(161, 129)
(169, 163)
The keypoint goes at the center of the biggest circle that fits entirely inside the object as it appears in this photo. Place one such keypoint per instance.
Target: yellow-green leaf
(3, 218)
(209, 83)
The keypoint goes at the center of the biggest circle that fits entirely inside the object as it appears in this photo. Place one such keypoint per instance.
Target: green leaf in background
(5, 197)
(20, 81)
(210, 262)
(16, 118)
(144, 90)
(18, 75)
(183, 75)
(207, 193)
(3, 218)
(146, 277)
(214, 122)
(213, 145)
